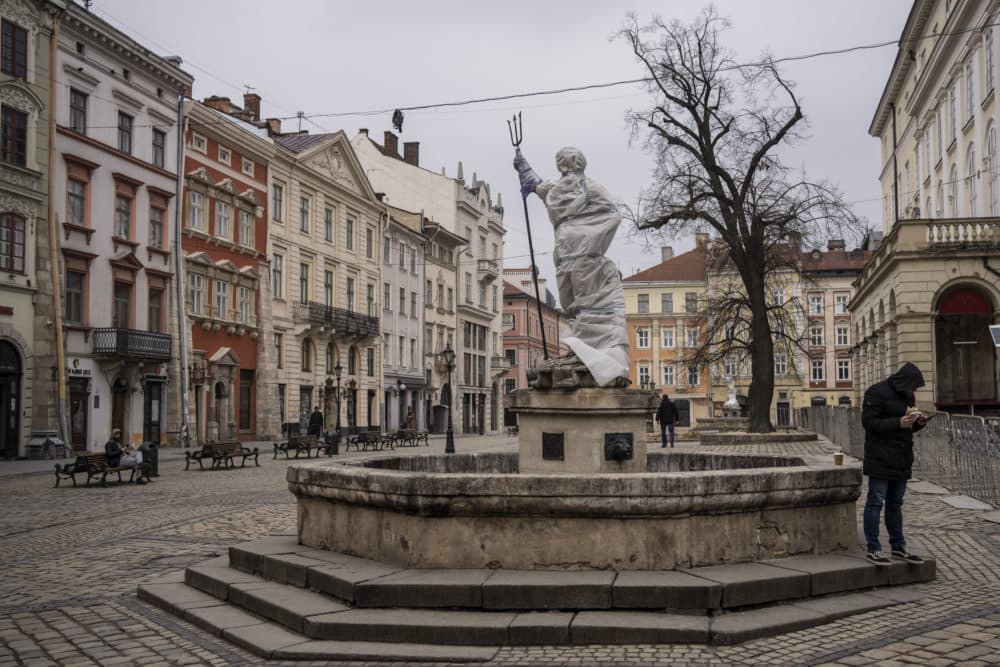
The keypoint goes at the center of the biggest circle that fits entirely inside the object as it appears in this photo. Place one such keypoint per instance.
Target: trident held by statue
(515, 127)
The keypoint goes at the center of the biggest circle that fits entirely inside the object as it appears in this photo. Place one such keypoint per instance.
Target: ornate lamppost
(449, 361)
(337, 370)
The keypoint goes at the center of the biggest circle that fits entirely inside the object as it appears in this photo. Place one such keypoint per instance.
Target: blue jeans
(888, 492)
(663, 433)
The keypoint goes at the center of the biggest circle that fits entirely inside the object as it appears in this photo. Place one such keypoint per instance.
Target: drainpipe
(57, 305)
(179, 279)
(895, 168)
(423, 323)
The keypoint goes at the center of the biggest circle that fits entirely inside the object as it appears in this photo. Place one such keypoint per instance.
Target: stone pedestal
(582, 431)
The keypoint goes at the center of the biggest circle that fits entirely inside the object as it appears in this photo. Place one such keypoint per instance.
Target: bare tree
(715, 130)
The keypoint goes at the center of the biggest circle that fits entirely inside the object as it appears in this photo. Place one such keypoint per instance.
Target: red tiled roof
(835, 260)
(688, 266)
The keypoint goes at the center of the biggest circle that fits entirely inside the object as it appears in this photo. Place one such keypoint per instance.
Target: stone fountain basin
(476, 510)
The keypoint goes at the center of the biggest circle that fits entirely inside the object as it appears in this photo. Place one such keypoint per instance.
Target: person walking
(668, 416)
(890, 420)
(316, 422)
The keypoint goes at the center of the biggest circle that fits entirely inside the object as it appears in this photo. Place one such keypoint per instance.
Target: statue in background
(585, 220)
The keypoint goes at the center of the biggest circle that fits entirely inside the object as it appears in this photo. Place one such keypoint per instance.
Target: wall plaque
(552, 447)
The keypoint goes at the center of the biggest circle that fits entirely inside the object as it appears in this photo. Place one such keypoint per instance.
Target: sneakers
(140, 481)
(877, 558)
(902, 554)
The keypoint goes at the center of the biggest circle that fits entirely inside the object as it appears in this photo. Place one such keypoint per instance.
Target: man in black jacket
(890, 421)
(316, 422)
(668, 416)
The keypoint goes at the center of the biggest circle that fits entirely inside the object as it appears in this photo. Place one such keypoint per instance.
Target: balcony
(132, 344)
(488, 270)
(343, 322)
(499, 365)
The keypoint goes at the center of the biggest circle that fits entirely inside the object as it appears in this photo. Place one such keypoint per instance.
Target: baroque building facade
(27, 328)
(931, 288)
(113, 189)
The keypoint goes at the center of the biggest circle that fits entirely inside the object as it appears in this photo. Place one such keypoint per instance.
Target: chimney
(390, 145)
(251, 104)
(217, 103)
(701, 240)
(364, 131)
(273, 127)
(666, 253)
(835, 244)
(411, 153)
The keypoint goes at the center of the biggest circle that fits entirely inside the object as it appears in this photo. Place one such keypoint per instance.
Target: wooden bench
(406, 438)
(365, 440)
(329, 445)
(297, 444)
(94, 465)
(222, 455)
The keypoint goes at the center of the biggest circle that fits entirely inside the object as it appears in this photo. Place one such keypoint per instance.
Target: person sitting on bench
(123, 456)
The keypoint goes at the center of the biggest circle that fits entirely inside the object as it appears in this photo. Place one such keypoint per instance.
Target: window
(970, 103)
(277, 276)
(155, 311)
(816, 373)
(279, 348)
(643, 376)
(159, 147)
(307, 355)
(246, 165)
(954, 113)
(953, 191)
(371, 362)
(349, 230)
(123, 216)
(777, 297)
(196, 211)
(370, 244)
(451, 299)
(304, 215)
(352, 361)
(387, 347)
(440, 296)
(246, 398)
(124, 132)
(642, 303)
(222, 213)
(468, 246)
(328, 225)
(402, 343)
(156, 227)
(246, 229)
(668, 337)
(815, 304)
(842, 335)
(496, 297)
(402, 255)
(225, 156)
(386, 251)
(350, 294)
(988, 48)
(816, 335)
(692, 337)
(482, 295)
(507, 321)
(939, 125)
(841, 300)
(195, 293)
(74, 297)
(730, 366)
(14, 137)
(642, 338)
(691, 302)
(244, 304)
(14, 54)
(198, 142)
(970, 179)
(692, 373)
(667, 303)
(413, 304)
(76, 202)
(428, 293)
(121, 313)
(77, 111)
(402, 301)
(413, 353)
(328, 288)
(277, 201)
(12, 242)
(668, 375)
(387, 297)
(221, 299)
(371, 300)
(992, 167)
(303, 283)
(843, 370)
(468, 288)
(780, 364)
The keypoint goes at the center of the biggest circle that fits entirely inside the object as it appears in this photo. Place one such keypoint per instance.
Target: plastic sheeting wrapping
(585, 220)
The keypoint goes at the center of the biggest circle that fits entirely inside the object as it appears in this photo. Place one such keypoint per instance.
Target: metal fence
(959, 452)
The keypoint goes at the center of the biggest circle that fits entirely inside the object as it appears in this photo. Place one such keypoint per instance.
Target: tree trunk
(761, 359)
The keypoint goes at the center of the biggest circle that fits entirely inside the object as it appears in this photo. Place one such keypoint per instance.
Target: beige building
(932, 285)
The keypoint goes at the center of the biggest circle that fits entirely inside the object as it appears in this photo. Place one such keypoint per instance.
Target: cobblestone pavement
(72, 558)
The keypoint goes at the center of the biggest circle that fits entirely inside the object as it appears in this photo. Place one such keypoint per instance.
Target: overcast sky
(322, 57)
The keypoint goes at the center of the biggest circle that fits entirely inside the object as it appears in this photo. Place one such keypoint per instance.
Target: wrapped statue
(584, 219)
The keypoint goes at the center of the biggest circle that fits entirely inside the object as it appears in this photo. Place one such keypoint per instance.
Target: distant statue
(731, 408)
(585, 220)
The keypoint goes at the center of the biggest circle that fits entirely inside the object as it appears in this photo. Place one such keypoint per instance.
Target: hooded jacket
(667, 412)
(888, 446)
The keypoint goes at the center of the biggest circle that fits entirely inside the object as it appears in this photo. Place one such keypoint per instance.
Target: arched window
(992, 167)
(970, 181)
(953, 192)
(329, 358)
(307, 355)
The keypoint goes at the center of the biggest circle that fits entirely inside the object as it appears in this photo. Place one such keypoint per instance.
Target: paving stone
(637, 627)
(401, 652)
(286, 605)
(424, 588)
(740, 626)
(635, 589)
(927, 487)
(745, 584)
(901, 593)
(432, 626)
(223, 617)
(540, 628)
(542, 589)
(967, 503)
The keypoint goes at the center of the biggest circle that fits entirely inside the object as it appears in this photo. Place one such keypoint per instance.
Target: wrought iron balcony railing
(342, 321)
(132, 344)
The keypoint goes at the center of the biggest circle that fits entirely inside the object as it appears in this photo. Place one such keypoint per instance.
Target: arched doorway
(965, 371)
(10, 399)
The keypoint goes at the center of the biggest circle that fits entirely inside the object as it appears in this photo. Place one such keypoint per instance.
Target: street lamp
(337, 370)
(449, 362)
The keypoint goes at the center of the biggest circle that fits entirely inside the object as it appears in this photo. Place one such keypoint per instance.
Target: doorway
(783, 413)
(966, 358)
(152, 400)
(119, 394)
(79, 400)
(10, 399)
(683, 411)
